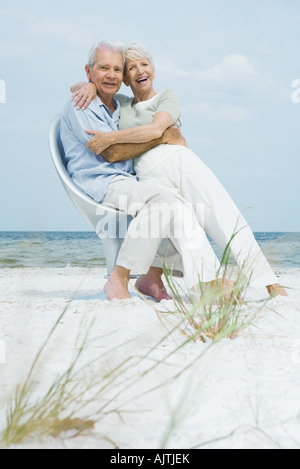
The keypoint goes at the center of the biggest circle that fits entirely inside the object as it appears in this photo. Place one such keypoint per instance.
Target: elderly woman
(175, 166)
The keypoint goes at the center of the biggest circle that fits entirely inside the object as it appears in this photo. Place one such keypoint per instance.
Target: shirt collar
(101, 104)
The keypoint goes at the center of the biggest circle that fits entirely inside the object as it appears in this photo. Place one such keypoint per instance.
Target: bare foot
(221, 288)
(153, 287)
(116, 290)
(117, 285)
(227, 286)
(276, 289)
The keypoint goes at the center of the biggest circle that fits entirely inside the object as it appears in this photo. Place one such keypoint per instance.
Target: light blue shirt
(90, 172)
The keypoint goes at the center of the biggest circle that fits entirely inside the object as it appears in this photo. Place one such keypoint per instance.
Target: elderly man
(105, 182)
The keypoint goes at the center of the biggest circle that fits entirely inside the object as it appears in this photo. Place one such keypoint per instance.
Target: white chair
(109, 224)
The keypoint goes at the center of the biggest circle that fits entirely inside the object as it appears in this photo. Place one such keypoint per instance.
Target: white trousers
(185, 173)
(158, 214)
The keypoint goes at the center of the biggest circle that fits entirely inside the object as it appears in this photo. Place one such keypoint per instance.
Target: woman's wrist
(93, 89)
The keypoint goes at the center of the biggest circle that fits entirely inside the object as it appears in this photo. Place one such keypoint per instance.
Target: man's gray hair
(137, 51)
(108, 45)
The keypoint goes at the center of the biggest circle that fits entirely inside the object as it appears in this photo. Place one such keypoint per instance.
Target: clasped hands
(102, 140)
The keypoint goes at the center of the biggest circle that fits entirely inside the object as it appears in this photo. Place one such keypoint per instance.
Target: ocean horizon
(46, 249)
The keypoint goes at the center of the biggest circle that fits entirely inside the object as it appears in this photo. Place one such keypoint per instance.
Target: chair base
(131, 277)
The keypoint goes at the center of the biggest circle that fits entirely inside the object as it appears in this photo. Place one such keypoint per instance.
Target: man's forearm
(127, 151)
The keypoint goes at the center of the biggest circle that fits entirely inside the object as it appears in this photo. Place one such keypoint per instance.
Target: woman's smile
(142, 79)
(139, 76)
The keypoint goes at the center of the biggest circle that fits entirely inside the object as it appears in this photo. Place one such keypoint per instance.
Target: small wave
(12, 263)
(83, 249)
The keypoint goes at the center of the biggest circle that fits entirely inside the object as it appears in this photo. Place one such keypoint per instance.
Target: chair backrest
(93, 212)
(99, 216)
(58, 157)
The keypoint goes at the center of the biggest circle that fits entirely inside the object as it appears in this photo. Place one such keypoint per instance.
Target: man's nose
(111, 73)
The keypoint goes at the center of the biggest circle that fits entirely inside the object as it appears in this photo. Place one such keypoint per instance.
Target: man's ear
(87, 71)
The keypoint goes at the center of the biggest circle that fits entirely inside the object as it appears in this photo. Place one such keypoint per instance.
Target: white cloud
(168, 66)
(216, 113)
(233, 69)
(234, 77)
(58, 30)
(12, 51)
(25, 31)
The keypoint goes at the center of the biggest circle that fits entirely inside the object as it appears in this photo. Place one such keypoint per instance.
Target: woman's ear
(124, 81)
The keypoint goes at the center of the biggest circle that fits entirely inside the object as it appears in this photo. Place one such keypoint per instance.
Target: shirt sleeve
(169, 102)
(82, 120)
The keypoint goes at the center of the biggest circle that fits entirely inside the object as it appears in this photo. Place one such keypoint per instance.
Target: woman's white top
(133, 115)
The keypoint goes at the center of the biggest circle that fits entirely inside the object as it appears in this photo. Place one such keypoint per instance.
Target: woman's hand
(99, 142)
(84, 96)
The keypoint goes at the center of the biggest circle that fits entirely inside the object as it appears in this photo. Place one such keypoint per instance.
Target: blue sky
(233, 64)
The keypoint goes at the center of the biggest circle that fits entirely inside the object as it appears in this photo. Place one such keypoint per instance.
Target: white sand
(241, 394)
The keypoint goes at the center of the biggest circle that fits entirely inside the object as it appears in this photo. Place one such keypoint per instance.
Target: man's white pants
(185, 173)
(159, 214)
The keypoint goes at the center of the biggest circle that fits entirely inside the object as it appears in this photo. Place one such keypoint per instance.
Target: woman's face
(139, 76)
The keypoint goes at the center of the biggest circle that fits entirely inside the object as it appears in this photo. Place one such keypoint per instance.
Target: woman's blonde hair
(136, 52)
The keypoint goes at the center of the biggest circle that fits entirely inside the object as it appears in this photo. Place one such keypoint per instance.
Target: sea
(84, 249)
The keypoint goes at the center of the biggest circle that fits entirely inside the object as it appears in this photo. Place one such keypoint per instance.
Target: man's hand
(173, 136)
(99, 142)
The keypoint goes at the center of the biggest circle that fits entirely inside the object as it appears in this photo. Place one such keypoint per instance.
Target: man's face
(106, 73)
